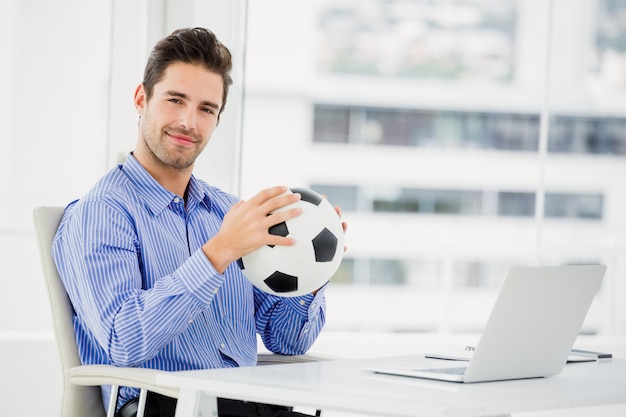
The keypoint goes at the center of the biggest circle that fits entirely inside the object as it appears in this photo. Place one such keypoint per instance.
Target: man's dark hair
(196, 46)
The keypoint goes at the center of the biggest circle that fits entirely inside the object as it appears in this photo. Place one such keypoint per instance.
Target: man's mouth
(181, 139)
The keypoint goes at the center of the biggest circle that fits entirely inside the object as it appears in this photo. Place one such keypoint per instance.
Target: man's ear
(140, 99)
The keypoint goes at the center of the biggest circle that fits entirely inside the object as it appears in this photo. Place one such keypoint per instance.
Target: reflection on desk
(346, 385)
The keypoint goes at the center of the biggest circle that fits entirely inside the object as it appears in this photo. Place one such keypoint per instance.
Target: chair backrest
(78, 401)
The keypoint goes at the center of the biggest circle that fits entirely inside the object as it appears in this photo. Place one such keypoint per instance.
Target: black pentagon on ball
(281, 282)
(279, 229)
(308, 195)
(325, 246)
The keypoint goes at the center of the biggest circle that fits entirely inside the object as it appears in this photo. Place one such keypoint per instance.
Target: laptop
(531, 329)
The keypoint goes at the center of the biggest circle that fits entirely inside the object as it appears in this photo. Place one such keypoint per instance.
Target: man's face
(178, 120)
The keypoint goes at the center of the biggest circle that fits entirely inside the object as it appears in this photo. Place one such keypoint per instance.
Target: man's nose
(187, 119)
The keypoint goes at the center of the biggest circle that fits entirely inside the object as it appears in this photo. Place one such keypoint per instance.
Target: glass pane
(442, 113)
(516, 204)
(471, 39)
(587, 135)
(574, 206)
(331, 124)
(387, 272)
(339, 195)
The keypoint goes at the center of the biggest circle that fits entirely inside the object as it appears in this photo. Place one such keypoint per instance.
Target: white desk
(345, 385)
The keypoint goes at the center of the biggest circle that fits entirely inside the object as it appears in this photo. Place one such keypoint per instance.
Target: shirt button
(301, 302)
(222, 345)
(176, 200)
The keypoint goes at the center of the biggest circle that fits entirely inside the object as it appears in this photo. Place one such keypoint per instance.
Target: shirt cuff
(309, 305)
(199, 277)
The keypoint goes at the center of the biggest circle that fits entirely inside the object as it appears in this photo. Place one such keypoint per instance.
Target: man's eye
(208, 110)
(175, 100)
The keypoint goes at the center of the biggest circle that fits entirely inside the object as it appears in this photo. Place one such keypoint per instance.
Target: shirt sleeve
(290, 325)
(96, 251)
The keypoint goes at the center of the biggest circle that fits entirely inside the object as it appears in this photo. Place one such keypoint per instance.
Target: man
(148, 256)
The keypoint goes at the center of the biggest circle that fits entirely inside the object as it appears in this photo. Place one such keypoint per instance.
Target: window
(345, 196)
(461, 202)
(332, 125)
(426, 121)
(574, 206)
(516, 132)
(582, 135)
(516, 204)
(427, 128)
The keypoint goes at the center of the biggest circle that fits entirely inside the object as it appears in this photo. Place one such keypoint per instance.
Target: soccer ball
(290, 271)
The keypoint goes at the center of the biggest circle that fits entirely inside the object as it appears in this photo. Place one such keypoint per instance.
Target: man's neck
(175, 182)
(172, 179)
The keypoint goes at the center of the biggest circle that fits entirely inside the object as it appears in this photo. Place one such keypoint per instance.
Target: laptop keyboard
(454, 371)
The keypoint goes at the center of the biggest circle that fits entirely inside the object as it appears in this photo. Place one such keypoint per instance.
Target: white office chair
(81, 383)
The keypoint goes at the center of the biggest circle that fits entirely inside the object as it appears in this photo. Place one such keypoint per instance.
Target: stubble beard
(167, 154)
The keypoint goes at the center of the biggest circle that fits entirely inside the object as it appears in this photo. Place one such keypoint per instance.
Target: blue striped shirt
(144, 293)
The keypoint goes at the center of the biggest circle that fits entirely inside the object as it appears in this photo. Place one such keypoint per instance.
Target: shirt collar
(155, 196)
(197, 194)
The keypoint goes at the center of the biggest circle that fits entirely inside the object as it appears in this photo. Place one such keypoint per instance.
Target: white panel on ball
(291, 271)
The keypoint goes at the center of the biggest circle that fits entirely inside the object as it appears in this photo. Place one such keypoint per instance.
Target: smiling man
(148, 256)
(177, 119)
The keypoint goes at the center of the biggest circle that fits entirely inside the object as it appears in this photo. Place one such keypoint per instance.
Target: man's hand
(246, 226)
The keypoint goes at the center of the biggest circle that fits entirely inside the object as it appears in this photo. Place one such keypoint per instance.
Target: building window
(457, 40)
(480, 130)
(420, 273)
(344, 196)
(586, 135)
(477, 274)
(345, 273)
(426, 128)
(331, 124)
(461, 202)
(574, 206)
(514, 132)
(516, 204)
(429, 202)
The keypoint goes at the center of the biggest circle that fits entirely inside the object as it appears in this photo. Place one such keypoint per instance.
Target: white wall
(54, 121)
(69, 70)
